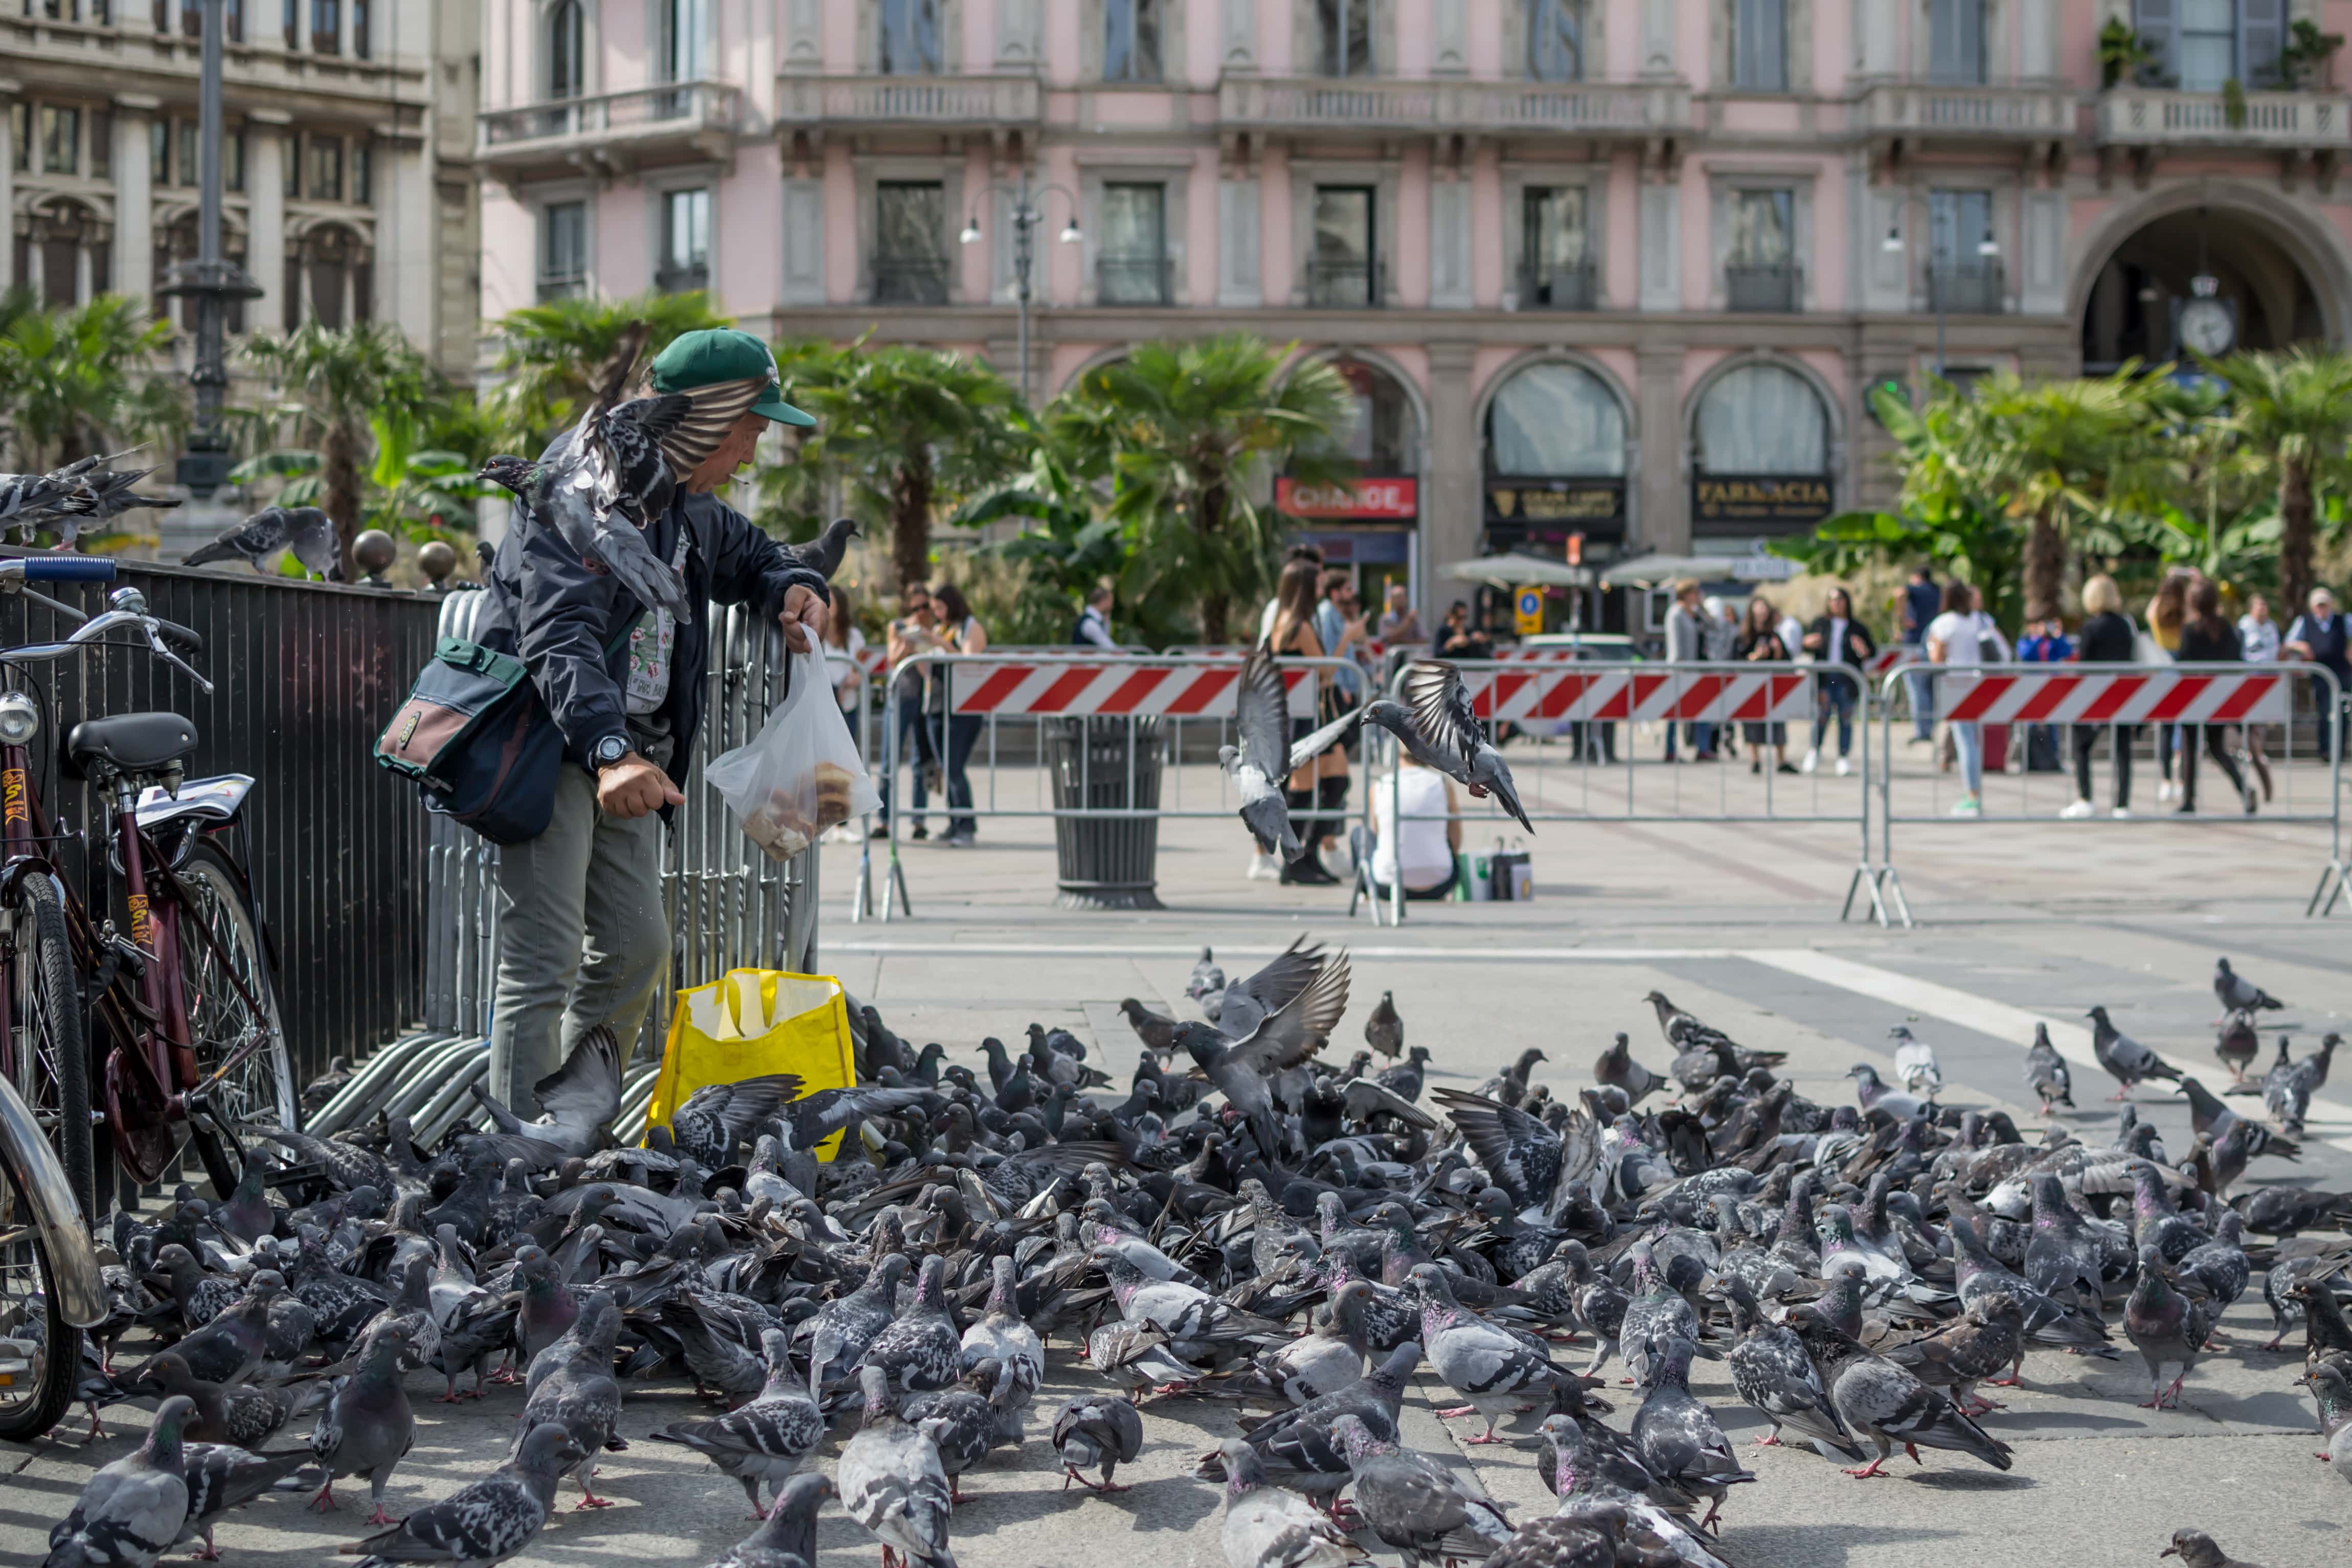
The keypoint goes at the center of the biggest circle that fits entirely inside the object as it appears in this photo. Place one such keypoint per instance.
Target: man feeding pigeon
(604, 587)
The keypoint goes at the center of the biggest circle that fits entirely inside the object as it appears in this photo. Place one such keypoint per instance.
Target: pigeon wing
(690, 431)
(1365, 1099)
(1285, 977)
(584, 1093)
(1297, 1030)
(1440, 705)
(1262, 715)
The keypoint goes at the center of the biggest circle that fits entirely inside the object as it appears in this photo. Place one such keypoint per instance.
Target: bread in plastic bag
(801, 774)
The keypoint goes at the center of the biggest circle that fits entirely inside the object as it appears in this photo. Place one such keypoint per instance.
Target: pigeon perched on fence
(308, 532)
(1438, 725)
(68, 498)
(1267, 757)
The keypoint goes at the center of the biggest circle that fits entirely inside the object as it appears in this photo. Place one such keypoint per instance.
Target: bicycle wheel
(220, 1018)
(40, 1354)
(48, 1052)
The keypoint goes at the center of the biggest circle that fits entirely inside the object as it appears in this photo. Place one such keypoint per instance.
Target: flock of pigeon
(1253, 1222)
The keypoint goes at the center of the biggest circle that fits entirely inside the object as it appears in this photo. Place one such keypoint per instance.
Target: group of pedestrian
(933, 618)
(1316, 614)
(1700, 627)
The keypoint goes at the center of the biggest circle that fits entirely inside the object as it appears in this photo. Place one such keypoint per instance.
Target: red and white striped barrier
(1126, 687)
(2063, 695)
(1641, 692)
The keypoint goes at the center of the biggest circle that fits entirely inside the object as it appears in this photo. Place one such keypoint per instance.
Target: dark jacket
(2107, 638)
(2207, 645)
(542, 605)
(1829, 655)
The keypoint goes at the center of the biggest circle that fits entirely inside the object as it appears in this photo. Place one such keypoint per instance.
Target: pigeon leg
(380, 1517)
(1455, 1412)
(1913, 1449)
(325, 1499)
(588, 1497)
(1712, 1508)
(1870, 1471)
(207, 1553)
(96, 1431)
(1769, 1440)
(2122, 1093)
(452, 1397)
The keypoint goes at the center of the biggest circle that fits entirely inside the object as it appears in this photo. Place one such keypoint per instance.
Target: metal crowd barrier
(730, 908)
(1183, 693)
(2172, 705)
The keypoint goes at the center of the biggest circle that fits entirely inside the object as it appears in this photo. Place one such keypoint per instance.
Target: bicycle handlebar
(59, 568)
(194, 642)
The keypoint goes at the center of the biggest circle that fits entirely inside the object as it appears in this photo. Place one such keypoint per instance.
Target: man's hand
(633, 787)
(802, 617)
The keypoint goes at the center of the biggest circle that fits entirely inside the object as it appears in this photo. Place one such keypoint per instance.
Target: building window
(289, 19)
(909, 38)
(326, 26)
(1343, 269)
(686, 31)
(1555, 41)
(566, 29)
(1760, 269)
(685, 241)
(326, 168)
(908, 218)
(1763, 419)
(1759, 44)
(1130, 40)
(362, 25)
(2203, 45)
(1556, 420)
(1132, 266)
(233, 161)
(1956, 41)
(190, 148)
(1964, 269)
(362, 173)
(1555, 259)
(1343, 37)
(289, 164)
(20, 136)
(101, 143)
(159, 151)
(331, 253)
(191, 18)
(563, 250)
(60, 139)
(2208, 49)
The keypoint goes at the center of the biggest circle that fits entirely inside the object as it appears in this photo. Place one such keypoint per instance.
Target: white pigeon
(1915, 1064)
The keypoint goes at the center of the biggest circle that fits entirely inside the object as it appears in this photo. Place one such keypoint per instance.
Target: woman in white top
(843, 642)
(1427, 835)
(1964, 637)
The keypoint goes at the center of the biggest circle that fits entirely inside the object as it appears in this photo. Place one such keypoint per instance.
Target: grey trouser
(581, 937)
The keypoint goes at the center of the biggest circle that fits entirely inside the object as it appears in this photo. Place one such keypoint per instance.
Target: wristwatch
(608, 751)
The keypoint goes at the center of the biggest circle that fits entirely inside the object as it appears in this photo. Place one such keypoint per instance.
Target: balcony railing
(1346, 284)
(2159, 116)
(910, 280)
(672, 120)
(570, 286)
(1978, 288)
(682, 279)
(1508, 109)
(1132, 280)
(1558, 288)
(1968, 112)
(1777, 287)
(944, 102)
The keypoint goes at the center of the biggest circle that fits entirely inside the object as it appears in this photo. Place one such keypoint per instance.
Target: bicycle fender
(218, 799)
(73, 1266)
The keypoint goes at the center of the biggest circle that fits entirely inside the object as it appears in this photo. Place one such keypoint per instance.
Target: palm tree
(80, 380)
(909, 431)
(1181, 430)
(547, 352)
(2295, 409)
(338, 381)
(2059, 453)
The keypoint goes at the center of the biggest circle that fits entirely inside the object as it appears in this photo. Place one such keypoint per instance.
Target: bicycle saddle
(128, 743)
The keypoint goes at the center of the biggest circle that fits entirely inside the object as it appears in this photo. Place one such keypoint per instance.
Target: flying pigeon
(2240, 994)
(308, 532)
(487, 1522)
(1437, 724)
(577, 1102)
(1283, 1039)
(131, 1512)
(2125, 1058)
(1266, 757)
(718, 1117)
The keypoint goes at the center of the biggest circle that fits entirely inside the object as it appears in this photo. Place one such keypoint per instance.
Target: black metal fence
(304, 676)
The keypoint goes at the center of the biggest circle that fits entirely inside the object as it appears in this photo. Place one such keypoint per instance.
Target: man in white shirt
(1686, 644)
(1959, 638)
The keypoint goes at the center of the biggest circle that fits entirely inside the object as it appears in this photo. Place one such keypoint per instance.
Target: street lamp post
(209, 282)
(1026, 215)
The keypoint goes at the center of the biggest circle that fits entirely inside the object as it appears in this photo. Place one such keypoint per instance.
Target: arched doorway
(1555, 433)
(64, 253)
(329, 278)
(1369, 530)
(2212, 279)
(1763, 454)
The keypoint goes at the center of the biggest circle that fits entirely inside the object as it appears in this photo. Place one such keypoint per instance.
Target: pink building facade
(1622, 269)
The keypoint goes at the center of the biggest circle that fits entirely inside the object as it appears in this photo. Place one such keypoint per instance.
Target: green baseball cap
(717, 354)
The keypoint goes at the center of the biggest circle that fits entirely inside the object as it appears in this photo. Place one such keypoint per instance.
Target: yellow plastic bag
(756, 1022)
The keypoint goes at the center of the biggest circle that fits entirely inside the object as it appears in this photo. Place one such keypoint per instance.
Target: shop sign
(1564, 501)
(1391, 498)
(1781, 498)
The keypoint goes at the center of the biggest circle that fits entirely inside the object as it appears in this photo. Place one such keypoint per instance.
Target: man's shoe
(1843, 767)
(1263, 868)
(921, 831)
(2078, 810)
(881, 831)
(2121, 814)
(1812, 759)
(2186, 808)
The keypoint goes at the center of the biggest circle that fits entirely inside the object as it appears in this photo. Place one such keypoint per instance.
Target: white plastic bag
(801, 774)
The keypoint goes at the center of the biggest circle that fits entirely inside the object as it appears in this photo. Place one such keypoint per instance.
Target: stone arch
(1832, 404)
(1484, 402)
(1414, 397)
(2314, 247)
(1094, 361)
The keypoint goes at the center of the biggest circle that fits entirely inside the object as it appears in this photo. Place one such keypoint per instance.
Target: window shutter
(2153, 20)
(2261, 32)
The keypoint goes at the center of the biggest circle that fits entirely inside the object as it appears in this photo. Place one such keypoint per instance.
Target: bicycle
(131, 1046)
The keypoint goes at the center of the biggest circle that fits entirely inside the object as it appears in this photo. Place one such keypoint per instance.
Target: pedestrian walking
(963, 633)
(2108, 637)
(1320, 785)
(1092, 627)
(1759, 641)
(1922, 602)
(2259, 640)
(2165, 612)
(2206, 637)
(1686, 645)
(1964, 640)
(2320, 636)
(582, 935)
(1842, 646)
(915, 632)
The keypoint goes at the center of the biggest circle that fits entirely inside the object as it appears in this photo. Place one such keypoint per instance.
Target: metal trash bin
(1106, 862)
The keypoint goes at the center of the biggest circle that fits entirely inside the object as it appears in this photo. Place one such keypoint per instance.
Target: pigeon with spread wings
(1264, 760)
(1244, 1069)
(1436, 724)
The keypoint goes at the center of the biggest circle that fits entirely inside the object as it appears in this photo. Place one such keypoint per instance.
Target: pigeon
(787, 1537)
(1989, 1336)
(1915, 1064)
(1095, 1432)
(571, 1385)
(2045, 1072)
(919, 1350)
(487, 1522)
(2332, 1391)
(1616, 1069)
(1327, 1357)
(577, 1101)
(2240, 994)
(1875, 1094)
(326, 1086)
(308, 532)
(245, 1415)
(2209, 1116)
(963, 1422)
(368, 1427)
(233, 1345)
(2168, 1327)
(2196, 1550)
(1283, 1039)
(1678, 1437)
(1267, 1527)
(1885, 1402)
(892, 1482)
(223, 1476)
(823, 554)
(1438, 725)
(65, 498)
(841, 1330)
(1384, 1030)
(1426, 1511)
(718, 1117)
(2237, 1045)
(1157, 1033)
(1002, 1336)
(131, 1512)
(2126, 1059)
(1266, 757)
(1772, 1371)
(1489, 1367)
(766, 1440)
(1206, 984)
